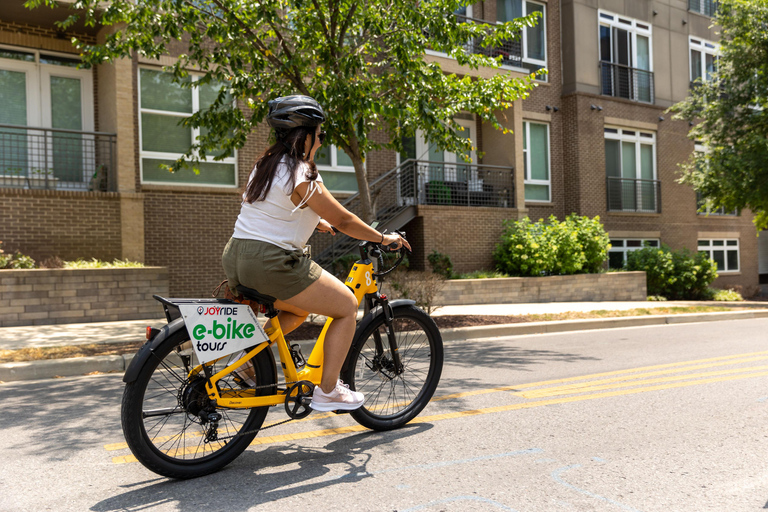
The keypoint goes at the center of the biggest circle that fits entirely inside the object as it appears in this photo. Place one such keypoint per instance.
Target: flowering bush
(15, 260)
(578, 245)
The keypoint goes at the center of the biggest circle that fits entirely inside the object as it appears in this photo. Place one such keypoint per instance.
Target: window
(536, 161)
(535, 40)
(40, 89)
(163, 104)
(701, 206)
(705, 7)
(626, 57)
(617, 254)
(630, 169)
(337, 169)
(703, 59)
(725, 253)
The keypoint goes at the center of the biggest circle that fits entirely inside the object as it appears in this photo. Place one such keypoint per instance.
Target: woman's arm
(327, 207)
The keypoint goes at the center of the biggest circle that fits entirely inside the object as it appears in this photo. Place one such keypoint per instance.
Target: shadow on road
(266, 475)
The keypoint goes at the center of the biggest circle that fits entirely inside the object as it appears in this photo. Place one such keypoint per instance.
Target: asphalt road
(661, 418)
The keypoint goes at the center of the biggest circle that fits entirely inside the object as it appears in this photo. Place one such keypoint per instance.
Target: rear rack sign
(217, 330)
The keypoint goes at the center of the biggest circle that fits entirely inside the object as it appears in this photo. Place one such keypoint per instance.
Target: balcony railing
(623, 81)
(631, 195)
(456, 184)
(705, 7)
(397, 192)
(47, 158)
(511, 52)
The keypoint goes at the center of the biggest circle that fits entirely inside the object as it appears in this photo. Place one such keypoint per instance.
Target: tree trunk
(366, 207)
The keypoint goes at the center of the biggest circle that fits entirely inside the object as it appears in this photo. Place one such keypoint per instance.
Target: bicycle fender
(149, 347)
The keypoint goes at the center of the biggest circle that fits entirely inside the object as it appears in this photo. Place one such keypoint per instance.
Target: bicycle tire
(162, 384)
(391, 400)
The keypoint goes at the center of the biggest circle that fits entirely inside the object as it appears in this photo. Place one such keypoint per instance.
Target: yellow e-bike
(182, 418)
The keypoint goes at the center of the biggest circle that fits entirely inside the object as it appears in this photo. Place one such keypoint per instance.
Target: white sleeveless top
(276, 219)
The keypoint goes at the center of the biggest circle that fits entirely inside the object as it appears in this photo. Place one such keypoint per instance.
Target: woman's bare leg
(329, 297)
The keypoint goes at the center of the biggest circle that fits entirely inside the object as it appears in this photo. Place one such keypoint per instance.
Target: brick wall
(70, 225)
(467, 235)
(614, 286)
(40, 297)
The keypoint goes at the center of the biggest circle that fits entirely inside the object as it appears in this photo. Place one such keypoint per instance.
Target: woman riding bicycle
(283, 203)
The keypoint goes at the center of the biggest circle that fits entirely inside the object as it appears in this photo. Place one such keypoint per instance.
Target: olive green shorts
(267, 268)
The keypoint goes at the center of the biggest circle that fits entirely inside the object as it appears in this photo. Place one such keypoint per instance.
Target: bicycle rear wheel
(166, 416)
(392, 397)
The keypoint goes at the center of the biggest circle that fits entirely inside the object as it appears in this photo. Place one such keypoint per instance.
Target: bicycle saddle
(251, 294)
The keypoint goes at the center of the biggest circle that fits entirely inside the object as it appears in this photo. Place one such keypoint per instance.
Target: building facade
(80, 149)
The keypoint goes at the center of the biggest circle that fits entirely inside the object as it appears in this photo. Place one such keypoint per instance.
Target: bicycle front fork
(372, 301)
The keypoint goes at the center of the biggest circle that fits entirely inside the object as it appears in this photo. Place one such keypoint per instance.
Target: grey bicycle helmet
(290, 112)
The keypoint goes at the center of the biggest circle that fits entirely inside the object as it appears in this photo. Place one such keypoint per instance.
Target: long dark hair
(290, 144)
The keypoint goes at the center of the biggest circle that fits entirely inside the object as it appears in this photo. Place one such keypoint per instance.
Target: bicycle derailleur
(194, 399)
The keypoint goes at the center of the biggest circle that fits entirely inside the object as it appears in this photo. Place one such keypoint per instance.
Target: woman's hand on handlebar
(325, 227)
(395, 241)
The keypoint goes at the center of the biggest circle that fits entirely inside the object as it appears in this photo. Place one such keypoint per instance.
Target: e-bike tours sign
(217, 330)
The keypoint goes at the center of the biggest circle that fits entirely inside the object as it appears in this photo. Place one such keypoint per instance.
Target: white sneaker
(340, 399)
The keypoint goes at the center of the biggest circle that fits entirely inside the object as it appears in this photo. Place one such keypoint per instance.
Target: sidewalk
(13, 338)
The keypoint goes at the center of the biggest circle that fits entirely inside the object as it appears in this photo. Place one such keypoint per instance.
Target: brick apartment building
(79, 149)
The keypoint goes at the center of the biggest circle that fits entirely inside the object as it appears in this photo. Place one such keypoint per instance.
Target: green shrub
(94, 263)
(727, 295)
(657, 298)
(15, 260)
(480, 274)
(441, 264)
(676, 275)
(577, 245)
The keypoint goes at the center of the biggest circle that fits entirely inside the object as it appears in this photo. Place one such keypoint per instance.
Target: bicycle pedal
(340, 412)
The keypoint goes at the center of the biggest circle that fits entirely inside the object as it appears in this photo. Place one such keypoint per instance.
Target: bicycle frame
(360, 280)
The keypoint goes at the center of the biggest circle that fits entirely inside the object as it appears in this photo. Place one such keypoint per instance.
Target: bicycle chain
(256, 431)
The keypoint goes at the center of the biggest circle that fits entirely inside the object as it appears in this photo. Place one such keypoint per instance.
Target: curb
(33, 370)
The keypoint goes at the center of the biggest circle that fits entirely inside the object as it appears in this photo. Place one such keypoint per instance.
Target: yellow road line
(539, 393)
(488, 410)
(633, 370)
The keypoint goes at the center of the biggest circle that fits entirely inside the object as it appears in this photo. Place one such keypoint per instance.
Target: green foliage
(730, 112)
(480, 274)
(94, 263)
(441, 264)
(657, 298)
(727, 295)
(676, 275)
(15, 260)
(578, 245)
(364, 63)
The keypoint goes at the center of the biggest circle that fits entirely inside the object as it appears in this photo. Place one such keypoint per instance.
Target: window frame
(524, 40)
(335, 167)
(527, 167)
(720, 212)
(630, 25)
(725, 247)
(638, 140)
(705, 47)
(161, 155)
(624, 249)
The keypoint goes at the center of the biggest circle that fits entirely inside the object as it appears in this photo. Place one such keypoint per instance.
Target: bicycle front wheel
(172, 427)
(394, 396)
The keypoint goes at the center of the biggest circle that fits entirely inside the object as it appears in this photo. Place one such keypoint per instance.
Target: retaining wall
(611, 286)
(61, 296)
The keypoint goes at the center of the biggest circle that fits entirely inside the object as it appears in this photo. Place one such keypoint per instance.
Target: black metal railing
(511, 52)
(631, 195)
(705, 7)
(623, 81)
(48, 158)
(417, 182)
